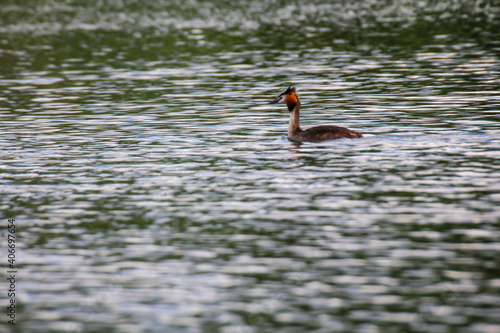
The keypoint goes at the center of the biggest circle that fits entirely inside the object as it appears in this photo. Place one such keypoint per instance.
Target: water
(155, 190)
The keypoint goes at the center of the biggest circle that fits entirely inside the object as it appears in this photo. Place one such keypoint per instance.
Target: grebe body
(313, 134)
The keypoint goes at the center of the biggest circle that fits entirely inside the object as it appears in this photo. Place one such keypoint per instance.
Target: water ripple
(155, 189)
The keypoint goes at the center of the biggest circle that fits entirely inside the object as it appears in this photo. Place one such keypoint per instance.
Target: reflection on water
(155, 190)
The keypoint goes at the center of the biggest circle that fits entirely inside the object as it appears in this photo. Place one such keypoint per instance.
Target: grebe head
(289, 97)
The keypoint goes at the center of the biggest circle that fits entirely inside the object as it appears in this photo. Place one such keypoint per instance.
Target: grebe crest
(313, 134)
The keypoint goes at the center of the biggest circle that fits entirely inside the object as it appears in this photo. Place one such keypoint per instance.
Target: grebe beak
(281, 97)
(277, 100)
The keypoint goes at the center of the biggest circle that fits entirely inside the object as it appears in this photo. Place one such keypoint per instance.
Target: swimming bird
(313, 134)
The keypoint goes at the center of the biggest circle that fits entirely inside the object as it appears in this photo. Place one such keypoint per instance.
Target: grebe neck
(294, 125)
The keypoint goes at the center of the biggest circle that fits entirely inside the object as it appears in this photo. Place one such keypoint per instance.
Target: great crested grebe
(313, 134)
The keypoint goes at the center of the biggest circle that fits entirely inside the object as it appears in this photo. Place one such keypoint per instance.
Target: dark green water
(154, 189)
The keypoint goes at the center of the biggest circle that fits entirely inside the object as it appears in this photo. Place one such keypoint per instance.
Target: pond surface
(154, 189)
